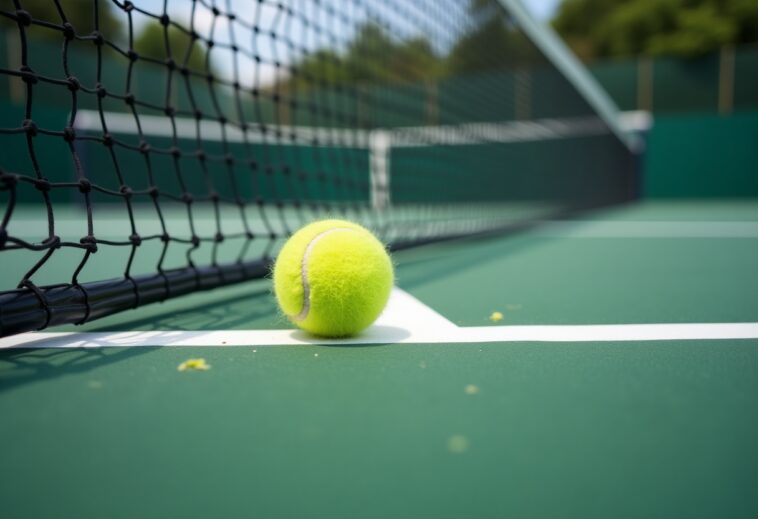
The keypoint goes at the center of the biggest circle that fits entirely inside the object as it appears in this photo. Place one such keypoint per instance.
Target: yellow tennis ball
(333, 278)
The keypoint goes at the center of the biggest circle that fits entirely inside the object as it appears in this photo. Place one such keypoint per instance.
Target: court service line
(405, 321)
(648, 229)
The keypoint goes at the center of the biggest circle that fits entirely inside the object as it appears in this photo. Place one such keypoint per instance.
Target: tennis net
(150, 149)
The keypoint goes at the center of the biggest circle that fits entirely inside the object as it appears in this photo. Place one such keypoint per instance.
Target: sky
(542, 9)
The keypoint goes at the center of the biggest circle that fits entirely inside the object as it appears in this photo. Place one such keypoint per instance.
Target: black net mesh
(149, 149)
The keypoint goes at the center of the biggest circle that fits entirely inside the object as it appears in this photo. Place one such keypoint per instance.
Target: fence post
(432, 104)
(522, 95)
(726, 80)
(645, 83)
(13, 53)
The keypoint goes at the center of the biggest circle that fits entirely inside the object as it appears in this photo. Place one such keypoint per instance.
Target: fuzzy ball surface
(333, 278)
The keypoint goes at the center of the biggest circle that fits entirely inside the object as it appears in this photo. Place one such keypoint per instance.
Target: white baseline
(406, 320)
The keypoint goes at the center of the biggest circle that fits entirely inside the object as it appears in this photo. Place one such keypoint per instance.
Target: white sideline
(406, 320)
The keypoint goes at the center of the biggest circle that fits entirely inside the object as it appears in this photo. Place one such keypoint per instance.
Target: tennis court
(556, 344)
(613, 422)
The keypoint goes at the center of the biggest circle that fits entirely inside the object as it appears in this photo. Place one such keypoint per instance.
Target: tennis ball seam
(303, 315)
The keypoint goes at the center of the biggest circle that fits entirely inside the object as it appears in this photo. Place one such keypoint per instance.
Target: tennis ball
(333, 278)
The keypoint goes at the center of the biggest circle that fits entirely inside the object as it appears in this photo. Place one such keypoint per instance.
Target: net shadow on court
(29, 366)
(232, 313)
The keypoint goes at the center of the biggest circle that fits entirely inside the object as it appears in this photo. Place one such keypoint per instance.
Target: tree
(371, 57)
(601, 28)
(374, 56)
(323, 65)
(415, 60)
(152, 43)
(494, 43)
(367, 54)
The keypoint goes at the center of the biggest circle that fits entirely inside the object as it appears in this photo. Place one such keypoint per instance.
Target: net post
(379, 163)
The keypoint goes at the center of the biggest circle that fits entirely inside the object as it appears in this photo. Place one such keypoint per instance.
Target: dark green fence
(725, 81)
(702, 156)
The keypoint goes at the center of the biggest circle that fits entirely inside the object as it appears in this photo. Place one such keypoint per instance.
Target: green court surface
(597, 428)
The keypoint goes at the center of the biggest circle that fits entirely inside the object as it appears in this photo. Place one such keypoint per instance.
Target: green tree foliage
(367, 54)
(415, 60)
(600, 28)
(78, 13)
(372, 56)
(323, 65)
(153, 43)
(494, 43)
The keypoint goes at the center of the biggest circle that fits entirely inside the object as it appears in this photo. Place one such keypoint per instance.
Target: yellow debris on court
(194, 365)
(457, 444)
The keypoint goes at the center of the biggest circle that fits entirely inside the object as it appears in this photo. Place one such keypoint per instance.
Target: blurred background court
(570, 193)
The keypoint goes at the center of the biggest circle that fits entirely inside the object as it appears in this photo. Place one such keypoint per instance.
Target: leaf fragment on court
(194, 365)
(496, 316)
(457, 444)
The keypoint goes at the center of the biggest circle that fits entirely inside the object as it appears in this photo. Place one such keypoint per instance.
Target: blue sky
(542, 9)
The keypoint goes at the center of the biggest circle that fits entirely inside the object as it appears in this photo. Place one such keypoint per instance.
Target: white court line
(647, 229)
(406, 320)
